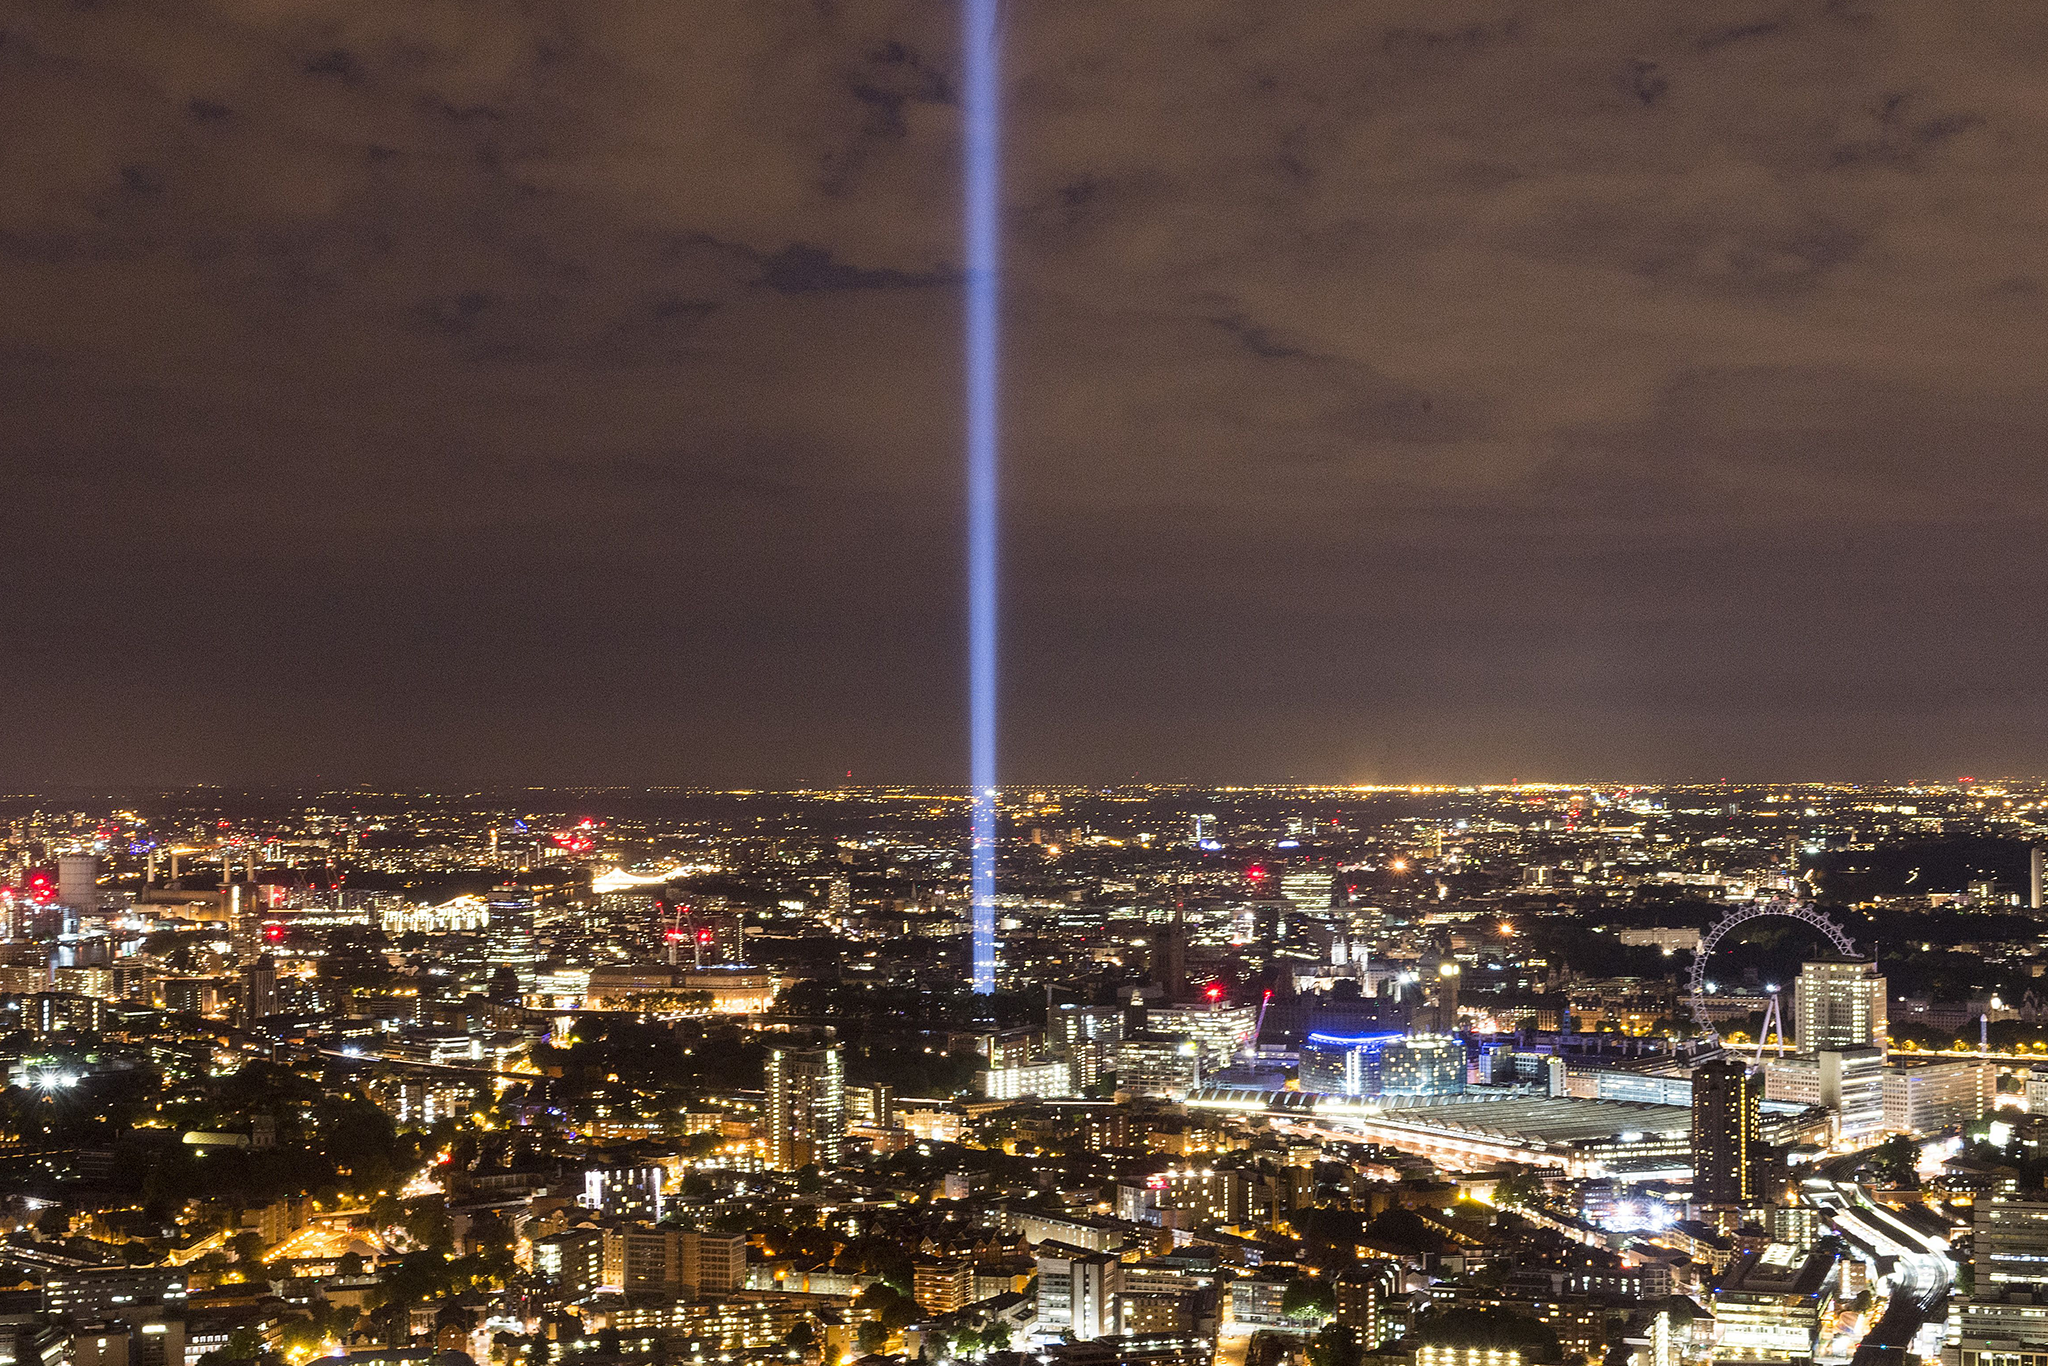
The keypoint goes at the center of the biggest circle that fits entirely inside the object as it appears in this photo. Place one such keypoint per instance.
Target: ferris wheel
(1743, 915)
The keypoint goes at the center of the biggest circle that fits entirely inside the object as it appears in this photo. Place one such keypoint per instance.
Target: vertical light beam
(981, 109)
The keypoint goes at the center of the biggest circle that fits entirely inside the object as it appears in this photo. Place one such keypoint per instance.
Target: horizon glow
(983, 250)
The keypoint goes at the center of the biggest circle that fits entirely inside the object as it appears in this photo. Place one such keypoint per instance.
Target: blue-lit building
(1344, 1064)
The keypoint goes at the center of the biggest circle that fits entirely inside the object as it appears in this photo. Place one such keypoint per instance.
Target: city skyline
(1293, 1076)
(883, 683)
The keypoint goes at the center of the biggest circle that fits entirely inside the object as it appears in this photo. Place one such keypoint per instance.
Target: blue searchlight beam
(983, 248)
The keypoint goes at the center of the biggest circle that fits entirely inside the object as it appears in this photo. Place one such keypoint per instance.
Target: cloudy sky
(452, 390)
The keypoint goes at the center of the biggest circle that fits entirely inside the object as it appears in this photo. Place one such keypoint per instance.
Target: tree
(430, 1226)
(1519, 1189)
(386, 1213)
(871, 1336)
(1335, 1345)
(1483, 1328)
(887, 1305)
(1308, 1299)
(1898, 1158)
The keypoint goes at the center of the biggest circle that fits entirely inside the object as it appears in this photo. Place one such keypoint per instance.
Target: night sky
(429, 391)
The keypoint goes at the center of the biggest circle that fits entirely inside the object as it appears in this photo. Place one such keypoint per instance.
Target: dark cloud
(1439, 388)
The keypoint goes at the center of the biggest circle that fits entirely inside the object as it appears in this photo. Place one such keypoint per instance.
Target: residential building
(1077, 1291)
(1727, 1134)
(943, 1286)
(806, 1107)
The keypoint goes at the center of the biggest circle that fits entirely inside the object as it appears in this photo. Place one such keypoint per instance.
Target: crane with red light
(678, 932)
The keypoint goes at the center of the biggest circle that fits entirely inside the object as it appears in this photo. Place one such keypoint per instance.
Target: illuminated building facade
(1048, 1079)
(1344, 1064)
(1727, 1133)
(2004, 1321)
(1077, 1291)
(1771, 1304)
(1220, 1029)
(1841, 1005)
(1422, 1065)
(806, 1107)
(458, 915)
(509, 941)
(1157, 1065)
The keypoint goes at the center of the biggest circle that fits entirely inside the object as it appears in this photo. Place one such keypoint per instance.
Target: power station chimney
(2034, 893)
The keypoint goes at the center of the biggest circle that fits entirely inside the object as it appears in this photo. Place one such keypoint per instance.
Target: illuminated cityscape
(870, 684)
(1385, 1075)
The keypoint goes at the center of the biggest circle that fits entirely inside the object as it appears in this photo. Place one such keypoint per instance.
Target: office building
(509, 939)
(2004, 1321)
(1048, 1079)
(1852, 1085)
(1771, 1303)
(1927, 1095)
(1308, 889)
(1727, 1134)
(1849, 1082)
(1086, 1036)
(1157, 1065)
(806, 1107)
(100, 1292)
(1841, 1005)
(1343, 1064)
(1423, 1065)
(1220, 1030)
(1068, 1025)
(2010, 1243)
